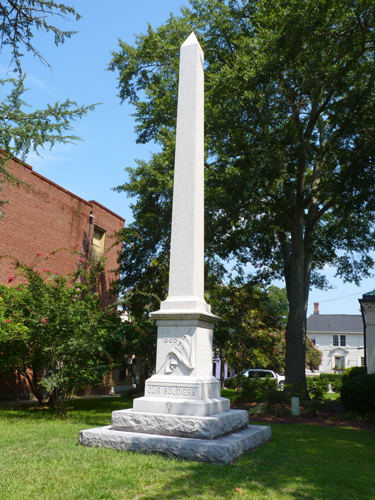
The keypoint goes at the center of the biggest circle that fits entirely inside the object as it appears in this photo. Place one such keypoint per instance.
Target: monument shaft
(186, 279)
(183, 383)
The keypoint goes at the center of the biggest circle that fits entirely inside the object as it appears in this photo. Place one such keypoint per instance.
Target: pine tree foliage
(21, 129)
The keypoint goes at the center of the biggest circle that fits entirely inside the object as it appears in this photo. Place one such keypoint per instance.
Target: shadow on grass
(90, 412)
(301, 463)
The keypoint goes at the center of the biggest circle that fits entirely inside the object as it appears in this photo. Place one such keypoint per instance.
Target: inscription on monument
(172, 391)
(170, 340)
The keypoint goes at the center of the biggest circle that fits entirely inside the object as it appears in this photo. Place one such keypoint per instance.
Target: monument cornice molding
(180, 315)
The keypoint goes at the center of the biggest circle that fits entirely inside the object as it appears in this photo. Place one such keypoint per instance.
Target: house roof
(345, 323)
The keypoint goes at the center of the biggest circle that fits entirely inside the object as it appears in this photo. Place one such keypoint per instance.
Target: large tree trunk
(295, 337)
(221, 356)
(297, 278)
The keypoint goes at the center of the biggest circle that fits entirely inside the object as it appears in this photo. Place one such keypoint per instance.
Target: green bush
(330, 377)
(370, 417)
(231, 383)
(312, 407)
(358, 394)
(336, 385)
(333, 379)
(258, 389)
(353, 372)
(317, 387)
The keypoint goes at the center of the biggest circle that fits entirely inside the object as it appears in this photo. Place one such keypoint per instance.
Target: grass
(333, 396)
(40, 460)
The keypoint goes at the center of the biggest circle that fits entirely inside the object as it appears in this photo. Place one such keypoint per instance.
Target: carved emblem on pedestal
(182, 353)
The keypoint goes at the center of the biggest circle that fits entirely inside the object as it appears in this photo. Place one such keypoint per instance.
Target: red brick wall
(14, 386)
(45, 218)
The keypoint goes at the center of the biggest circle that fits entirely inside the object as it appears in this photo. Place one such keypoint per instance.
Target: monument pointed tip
(191, 39)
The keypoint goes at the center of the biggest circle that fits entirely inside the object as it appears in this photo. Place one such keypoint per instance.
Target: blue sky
(93, 166)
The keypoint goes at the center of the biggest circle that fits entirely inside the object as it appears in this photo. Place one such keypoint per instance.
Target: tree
(246, 334)
(139, 332)
(313, 355)
(20, 130)
(290, 108)
(54, 331)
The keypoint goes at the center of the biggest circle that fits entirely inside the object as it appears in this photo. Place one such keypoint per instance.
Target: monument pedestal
(222, 450)
(182, 413)
(183, 384)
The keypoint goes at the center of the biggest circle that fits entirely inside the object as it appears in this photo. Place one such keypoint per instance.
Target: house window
(362, 361)
(341, 338)
(313, 339)
(98, 243)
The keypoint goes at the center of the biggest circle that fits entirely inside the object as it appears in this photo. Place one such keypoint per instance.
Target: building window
(98, 243)
(313, 339)
(342, 339)
(362, 361)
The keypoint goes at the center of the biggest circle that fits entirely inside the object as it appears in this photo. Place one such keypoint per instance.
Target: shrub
(334, 380)
(370, 417)
(56, 328)
(317, 387)
(351, 415)
(353, 372)
(330, 377)
(231, 383)
(276, 403)
(258, 389)
(312, 407)
(336, 385)
(358, 394)
(258, 409)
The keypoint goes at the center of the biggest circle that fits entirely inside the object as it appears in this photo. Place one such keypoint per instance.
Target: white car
(260, 373)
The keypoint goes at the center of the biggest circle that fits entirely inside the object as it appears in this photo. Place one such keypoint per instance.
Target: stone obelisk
(183, 383)
(182, 413)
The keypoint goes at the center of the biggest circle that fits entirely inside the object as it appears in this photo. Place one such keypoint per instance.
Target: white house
(339, 337)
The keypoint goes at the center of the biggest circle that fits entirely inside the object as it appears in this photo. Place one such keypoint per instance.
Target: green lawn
(40, 460)
(333, 396)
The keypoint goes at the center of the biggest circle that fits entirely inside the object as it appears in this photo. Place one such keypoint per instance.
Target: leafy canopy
(290, 114)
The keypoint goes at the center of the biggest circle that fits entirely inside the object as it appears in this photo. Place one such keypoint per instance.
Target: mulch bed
(331, 415)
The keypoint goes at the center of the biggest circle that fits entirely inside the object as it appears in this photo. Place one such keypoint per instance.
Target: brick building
(46, 217)
(45, 222)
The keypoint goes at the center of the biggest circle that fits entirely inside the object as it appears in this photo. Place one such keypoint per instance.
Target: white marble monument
(182, 412)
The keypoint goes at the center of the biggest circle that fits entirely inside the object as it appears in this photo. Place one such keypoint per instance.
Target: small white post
(295, 406)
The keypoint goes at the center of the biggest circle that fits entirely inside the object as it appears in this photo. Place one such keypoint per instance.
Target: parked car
(262, 373)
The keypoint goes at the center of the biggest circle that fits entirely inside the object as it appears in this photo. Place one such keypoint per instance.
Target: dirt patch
(330, 415)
